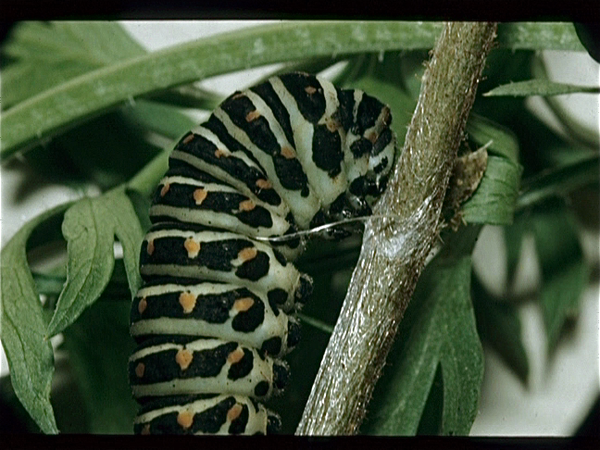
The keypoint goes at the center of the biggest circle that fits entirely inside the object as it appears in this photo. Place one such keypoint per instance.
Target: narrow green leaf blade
(560, 298)
(461, 356)
(92, 93)
(494, 200)
(539, 36)
(28, 350)
(565, 272)
(513, 240)
(578, 131)
(461, 387)
(560, 181)
(499, 325)
(545, 88)
(90, 227)
(129, 232)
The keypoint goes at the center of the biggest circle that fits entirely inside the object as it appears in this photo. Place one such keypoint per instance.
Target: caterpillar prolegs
(216, 312)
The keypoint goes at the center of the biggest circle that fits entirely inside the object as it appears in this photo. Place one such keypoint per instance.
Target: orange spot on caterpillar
(247, 205)
(199, 196)
(146, 429)
(252, 115)
(185, 419)
(288, 153)
(188, 138)
(372, 137)
(184, 358)
(165, 189)
(139, 370)
(192, 247)
(247, 254)
(243, 304)
(220, 152)
(150, 247)
(263, 184)
(310, 90)
(235, 356)
(234, 412)
(188, 301)
(142, 305)
(332, 124)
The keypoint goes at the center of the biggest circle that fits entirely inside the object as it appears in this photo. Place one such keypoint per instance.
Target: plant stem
(394, 251)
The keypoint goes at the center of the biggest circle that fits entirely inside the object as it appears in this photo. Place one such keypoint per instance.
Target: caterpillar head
(381, 157)
(373, 144)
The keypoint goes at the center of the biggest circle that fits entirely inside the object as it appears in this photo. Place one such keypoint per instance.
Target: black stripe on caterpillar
(216, 312)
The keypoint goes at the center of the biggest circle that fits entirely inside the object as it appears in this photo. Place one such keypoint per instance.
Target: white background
(560, 392)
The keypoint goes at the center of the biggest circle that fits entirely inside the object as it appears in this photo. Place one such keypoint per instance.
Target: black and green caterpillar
(216, 311)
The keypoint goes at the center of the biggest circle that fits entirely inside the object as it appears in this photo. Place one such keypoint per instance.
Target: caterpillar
(215, 314)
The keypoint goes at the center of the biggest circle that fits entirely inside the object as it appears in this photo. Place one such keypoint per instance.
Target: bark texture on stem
(394, 250)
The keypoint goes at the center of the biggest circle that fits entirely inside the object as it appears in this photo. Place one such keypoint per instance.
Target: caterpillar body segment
(205, 414)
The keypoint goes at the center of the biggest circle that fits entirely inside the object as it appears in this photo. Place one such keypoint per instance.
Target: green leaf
(51, 284)
(93, 93)
(513, 242)
(90, 227)
(560, 181)
(560, 298)
(13, 409)
(494, 200)
(565, 272)
(438, 330)
(499, 325)
(503, 66)
(539, 36)
(64, 49)
(99, 346)
(541, 87)
(503, 141)
(28, 350)
(574, 127)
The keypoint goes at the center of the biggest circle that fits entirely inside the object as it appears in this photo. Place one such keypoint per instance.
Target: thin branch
(394, 251)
